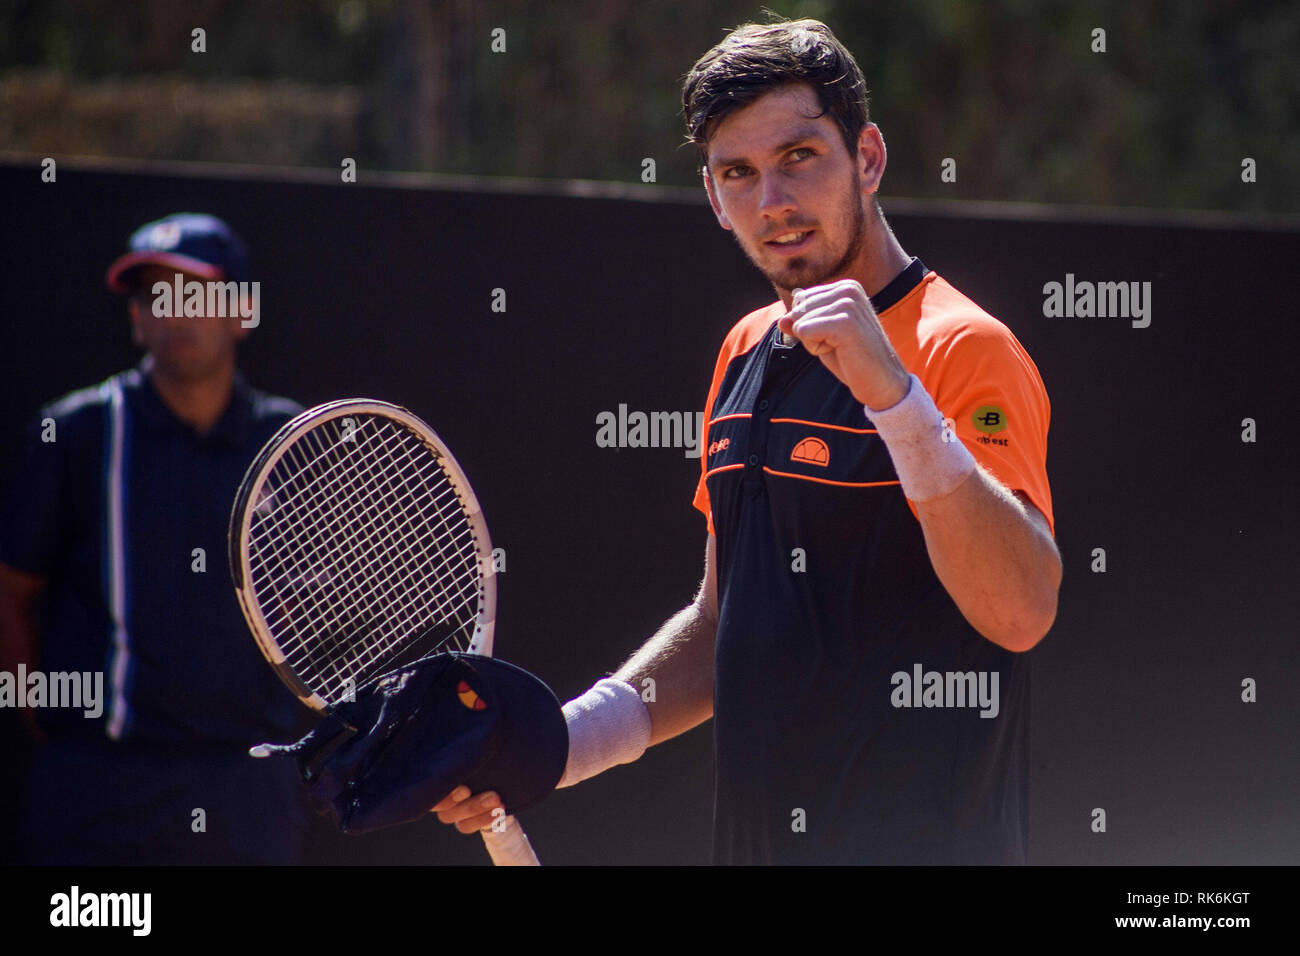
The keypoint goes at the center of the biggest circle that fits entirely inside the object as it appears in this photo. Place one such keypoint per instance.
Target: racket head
(356, 545)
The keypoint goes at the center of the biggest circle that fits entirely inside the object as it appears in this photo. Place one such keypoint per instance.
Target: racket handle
(509, 847)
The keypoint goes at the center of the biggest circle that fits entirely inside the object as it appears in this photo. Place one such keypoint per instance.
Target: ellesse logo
(717, 446)
(470, 699)
(811, 451)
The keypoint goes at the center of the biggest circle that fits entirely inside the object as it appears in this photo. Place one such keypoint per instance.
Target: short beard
(857, 240)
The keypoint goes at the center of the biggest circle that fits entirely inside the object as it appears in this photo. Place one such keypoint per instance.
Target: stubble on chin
(797, 274)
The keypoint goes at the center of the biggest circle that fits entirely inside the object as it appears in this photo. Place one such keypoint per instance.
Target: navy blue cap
(186, 241)
(415, 734)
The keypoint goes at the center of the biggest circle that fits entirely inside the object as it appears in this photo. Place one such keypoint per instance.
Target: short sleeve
(701, 500)
(987, 384)
(31, 523)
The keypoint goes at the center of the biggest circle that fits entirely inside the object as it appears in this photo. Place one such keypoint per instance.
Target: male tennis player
(116, 522)
(880, 550)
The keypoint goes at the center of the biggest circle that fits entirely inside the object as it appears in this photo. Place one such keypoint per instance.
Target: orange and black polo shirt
(827, 600)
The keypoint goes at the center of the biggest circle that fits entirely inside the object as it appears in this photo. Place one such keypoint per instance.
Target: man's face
(183, 347)
(775, 174)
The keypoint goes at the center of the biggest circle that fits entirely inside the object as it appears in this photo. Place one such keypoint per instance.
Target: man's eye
(801, 152)
(735, 172)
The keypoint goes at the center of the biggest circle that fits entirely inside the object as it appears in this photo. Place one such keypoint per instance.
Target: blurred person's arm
(19, 593)
(33, 522)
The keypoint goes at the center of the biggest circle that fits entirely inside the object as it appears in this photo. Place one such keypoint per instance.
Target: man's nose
(775, 197)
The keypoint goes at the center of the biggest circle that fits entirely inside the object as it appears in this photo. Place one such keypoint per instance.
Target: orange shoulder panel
(981, 378)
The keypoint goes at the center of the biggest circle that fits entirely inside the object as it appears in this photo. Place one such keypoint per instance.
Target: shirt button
(763, 404)
(753, 459)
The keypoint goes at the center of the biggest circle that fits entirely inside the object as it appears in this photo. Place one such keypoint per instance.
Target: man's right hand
(468, 813)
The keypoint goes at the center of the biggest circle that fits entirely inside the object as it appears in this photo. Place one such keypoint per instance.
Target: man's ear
(871, 158)
(723, 221)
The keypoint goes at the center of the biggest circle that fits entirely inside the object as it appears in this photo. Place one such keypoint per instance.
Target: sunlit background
(1010, 89)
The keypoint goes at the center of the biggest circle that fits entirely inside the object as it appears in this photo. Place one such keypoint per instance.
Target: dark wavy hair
(757, 57)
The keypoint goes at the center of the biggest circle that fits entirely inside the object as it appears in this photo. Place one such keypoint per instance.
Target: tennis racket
(357, 546)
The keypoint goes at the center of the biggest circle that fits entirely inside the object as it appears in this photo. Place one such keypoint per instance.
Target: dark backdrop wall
(386, 291)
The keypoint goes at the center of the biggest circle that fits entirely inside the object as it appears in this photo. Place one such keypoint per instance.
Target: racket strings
(394, 551)
(399, 553)
(360, 549)
(392, 548)
(391, 544)
(311, 536)
(403, 610)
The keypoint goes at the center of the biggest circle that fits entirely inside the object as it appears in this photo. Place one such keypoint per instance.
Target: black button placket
(780, 365)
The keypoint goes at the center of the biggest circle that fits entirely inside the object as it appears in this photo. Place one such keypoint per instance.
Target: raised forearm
(996, 558)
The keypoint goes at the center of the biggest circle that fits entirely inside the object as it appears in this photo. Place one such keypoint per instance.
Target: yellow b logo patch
(989, 419)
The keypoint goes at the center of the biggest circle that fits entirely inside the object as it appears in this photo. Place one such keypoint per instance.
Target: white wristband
(930, 459)
(608, 725)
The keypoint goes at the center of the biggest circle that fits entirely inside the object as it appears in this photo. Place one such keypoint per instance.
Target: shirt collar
(888, 297)
(899, 286)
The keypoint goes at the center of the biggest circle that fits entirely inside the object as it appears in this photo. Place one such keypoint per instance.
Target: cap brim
(119, 276)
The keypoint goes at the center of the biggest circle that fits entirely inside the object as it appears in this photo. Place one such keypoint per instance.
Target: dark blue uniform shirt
(125, 515)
